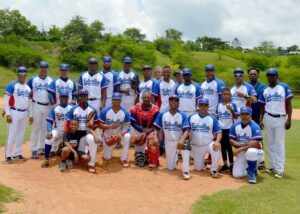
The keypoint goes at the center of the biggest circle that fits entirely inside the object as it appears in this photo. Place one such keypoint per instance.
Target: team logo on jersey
(200, 127)
(274, 97)
(110, 121)
(166, 91)
(91, 82)
(80, 118)
(172, 126)
(208, 91)
(225, 115)
(40, 86)
(242, 139)
(61, 116)
(126, 80)
(22, 93)
(186, 95)
(145, 88)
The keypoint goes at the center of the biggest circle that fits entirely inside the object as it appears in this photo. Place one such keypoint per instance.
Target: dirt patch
(112, 190)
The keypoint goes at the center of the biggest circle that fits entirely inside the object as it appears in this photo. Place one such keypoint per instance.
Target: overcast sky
(251, 21)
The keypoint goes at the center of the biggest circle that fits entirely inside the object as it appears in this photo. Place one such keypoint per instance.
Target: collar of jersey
(64, 79)
(203, 115)
(92, 74)
(208, 81)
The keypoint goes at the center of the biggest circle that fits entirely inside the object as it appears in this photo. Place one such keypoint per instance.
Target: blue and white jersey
(80, 114)
(166, 89)
(275, 98)
(188, 95)
(125, 79)
(245, 88)
(58, 116)
(93, 83)
(203, 129)
(225, 116)
(109, 116)
(39, 88)
(19, 95)
(243, 135)
(58, 85)
(172, 125)
(113, 80)
(212, 91)
(148, 86)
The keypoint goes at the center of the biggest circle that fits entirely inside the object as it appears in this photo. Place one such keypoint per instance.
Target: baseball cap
(209, 67)
(93, 61)
(174, 96)
(106, 59)
(43, 64)
(64, 93)
(127, 59)
(187, 71)
(246, 109)
(238, 75)
(83, 92)
(146, 67)
(117, 96)
(177, 72)
(64, 66)
(22, 71)
(238, 70)
(272, 71)
(203, 101)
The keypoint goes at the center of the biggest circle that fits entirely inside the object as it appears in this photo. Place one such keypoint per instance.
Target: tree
(135, 34)
(293, 48)
(97, 26)
(172, 33)
(54, 34)
(267, 48)
(236, 43)
(209, 43)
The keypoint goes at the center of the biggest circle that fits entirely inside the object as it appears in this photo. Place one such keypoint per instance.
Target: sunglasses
(23, 74)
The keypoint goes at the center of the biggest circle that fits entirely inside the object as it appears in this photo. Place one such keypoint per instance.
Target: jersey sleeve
(220, 86)
(10, 89)
(104, 82)
(80, 80)
(74, 89)
(288, 92)
(133, 115)
(198, 91)
(103, 115)
(29, 83)
(216, 126)
(51, 116)
(234, 106)
(185, 122)
(261, 97)
(232, 132)
(116, 79)
(251, 90)
(256, 132)
(70, 115)
(158, 121)
(127, 116)
(155, 88)
(51, 87)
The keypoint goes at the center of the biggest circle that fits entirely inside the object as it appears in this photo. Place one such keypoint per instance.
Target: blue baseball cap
(146, 67)
(187, 71)
(127, 59)
(246, 109)
(64, 93)
(174, 96)
(83, 92)
(22, 71)
(238, 70)
(93, 61)
(64, 66)
(117, 96)
(203, 101)
(43, 64)
(106, 59)
(209, 67)
(272, 71)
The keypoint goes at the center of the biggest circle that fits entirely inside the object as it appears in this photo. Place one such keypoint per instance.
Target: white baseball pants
(87, 145)
(171, 156)
(108, 150)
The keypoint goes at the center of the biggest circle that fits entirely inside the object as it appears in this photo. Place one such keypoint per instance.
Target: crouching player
(245, 137)
(115, 121)
(175, 126)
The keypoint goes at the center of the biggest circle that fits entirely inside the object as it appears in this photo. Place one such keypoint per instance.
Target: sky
(251, 21)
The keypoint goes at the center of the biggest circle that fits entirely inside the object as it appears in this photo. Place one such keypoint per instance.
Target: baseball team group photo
(101, 119)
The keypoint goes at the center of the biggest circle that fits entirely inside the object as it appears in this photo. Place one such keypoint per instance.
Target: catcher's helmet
(140, 159)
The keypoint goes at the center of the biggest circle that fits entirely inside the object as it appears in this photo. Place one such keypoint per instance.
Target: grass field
(269, 195)
(7, 195)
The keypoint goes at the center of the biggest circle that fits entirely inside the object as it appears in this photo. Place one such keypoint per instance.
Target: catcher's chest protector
(145, 118)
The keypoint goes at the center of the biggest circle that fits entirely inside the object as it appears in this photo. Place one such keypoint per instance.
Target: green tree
(293, 48)
(267, 48)
(236, 43)
(135, 34)
(172, 33)
(209, 43)
(97, 27)
(54, 34)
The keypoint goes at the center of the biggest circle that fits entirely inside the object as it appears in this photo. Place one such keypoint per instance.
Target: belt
(275, 115)
(43, 104)
(16, 109)
(92, 99)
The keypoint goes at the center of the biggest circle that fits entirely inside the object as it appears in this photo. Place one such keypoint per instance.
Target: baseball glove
(134, 83)
(112, 140)
(185, 146)
(90, 119)
(139, 140)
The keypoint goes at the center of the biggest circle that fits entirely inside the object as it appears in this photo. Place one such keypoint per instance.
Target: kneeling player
(175, 127)
(245, 136)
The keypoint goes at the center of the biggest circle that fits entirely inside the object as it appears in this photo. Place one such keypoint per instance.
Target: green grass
(296, 101)
(7, 195)
(269, 195)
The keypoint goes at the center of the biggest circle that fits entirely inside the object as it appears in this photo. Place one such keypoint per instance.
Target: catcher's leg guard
(153, 157)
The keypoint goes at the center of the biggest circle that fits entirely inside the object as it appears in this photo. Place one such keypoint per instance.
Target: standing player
(212, 88)
(277, 114)
(178, 78)
(188, 93)
(115, 121)
(17, 104)
(175, 127)
(226, 113)
(40, 109)
(148, 85)
(80, 112)
(203, 129)
(245, 137)
(242, 93)
(56, 122)
(157, 73)
(127, 78)
(112, 78)
(63, 83)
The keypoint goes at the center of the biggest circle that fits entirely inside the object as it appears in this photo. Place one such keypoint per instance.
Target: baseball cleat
(186, 176)
(41, 152)
(251, 177)
(224, 168)
(45, 164)
(34, 155)
(69, 164)
(118, 145)
(279, 175)
(8, 160)
(125, 163)
(261, 165)
(270, 170)
(19, 157)
(92, 169)
(214, 174)
(63, 166)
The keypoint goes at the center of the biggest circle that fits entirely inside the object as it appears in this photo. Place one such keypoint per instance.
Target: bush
(293, 61)
(258, 61)
(165, 46)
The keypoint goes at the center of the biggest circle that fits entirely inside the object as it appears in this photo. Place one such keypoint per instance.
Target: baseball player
(245, 137)
(188, 92)
(95, 83)
(226, 112)
(212, 88)
(56, 122)
(112, 78)
(175, 126)
(63, 83)
(177, 78)
(127, 77)
(203, 128)
(115, 121)
(276, 117)
(157, 73)
(17, 105)
(80, 112)
(40, 109)
(242, 93)
(148, 85)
